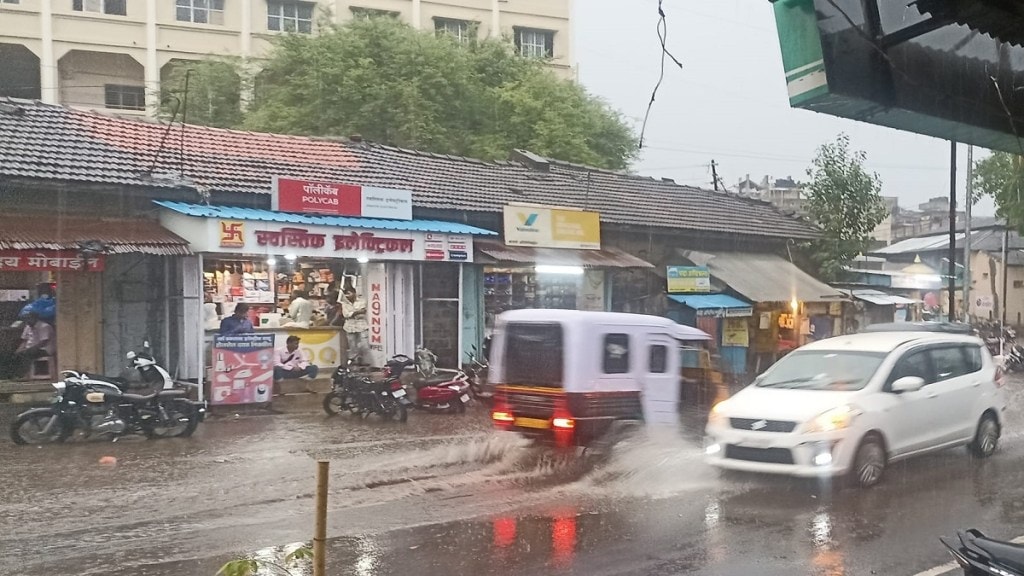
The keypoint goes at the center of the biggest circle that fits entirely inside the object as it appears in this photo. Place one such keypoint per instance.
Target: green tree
(392, 84)
(215, 89)
(1001, 176)
(844, 200)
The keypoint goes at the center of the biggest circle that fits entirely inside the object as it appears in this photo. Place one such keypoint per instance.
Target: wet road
(446, 495)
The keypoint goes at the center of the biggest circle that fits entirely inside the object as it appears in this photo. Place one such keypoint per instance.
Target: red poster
(48, 261)
(318, 197)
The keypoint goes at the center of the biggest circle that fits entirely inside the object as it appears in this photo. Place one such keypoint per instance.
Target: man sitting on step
(290, 362)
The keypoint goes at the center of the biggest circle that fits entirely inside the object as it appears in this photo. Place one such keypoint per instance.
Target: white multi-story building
(110, 54)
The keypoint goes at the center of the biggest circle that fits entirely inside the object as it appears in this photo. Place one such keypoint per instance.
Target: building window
(461, 30)
(10, 1)
(367, 13)
(290, 17)
(121, 97)
(534, 43)
(201, 11)
(616, 353)
(658, 361)
(1018, 283)
(115, 7)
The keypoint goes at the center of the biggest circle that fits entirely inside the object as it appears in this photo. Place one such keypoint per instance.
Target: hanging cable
(662, 39)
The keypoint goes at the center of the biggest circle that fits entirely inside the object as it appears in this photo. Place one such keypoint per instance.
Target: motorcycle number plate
(398, 393)
(464, 397)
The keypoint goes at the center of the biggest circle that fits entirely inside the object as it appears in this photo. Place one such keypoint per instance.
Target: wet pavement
(444, 494)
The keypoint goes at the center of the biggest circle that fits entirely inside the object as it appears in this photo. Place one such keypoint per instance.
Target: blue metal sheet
(713, 302)
(239, 213)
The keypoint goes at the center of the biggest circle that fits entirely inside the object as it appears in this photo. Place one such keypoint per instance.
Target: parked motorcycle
(1013, 361)
(979, 555)
(354, 393)
(477, 370)
(439, 390)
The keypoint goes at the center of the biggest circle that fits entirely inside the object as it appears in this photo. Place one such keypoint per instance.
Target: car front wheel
(869, 463)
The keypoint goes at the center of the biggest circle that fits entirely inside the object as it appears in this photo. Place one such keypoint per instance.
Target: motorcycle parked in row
(478, 369)
(979, 555)
(439, 390)
(100, 406)
(354, 393)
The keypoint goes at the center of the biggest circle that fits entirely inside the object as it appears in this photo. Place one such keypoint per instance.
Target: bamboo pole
(320, 535)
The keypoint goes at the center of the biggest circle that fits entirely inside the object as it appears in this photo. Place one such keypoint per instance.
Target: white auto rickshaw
(566, 376)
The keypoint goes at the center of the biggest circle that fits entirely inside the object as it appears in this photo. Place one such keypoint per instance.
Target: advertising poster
(734, 332)
(321, 347)
(688, 279)
(243, 369)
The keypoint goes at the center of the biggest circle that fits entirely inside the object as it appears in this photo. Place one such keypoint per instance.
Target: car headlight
(837, 418)
(717, 414)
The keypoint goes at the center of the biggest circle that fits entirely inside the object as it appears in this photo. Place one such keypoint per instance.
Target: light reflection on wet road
(446, 495)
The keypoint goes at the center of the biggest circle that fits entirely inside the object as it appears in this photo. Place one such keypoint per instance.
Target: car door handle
(976, 384)
(933, 395)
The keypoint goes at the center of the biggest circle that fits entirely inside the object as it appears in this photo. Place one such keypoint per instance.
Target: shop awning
(111, 235)
(721, 305)
(603, 258)
(238, 213)
(878, 297)
(764, 277)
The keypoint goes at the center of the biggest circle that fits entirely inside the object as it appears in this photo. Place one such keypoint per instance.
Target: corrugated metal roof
(878, 297)
(120, 236)
(768, 278)
(604, 258)
(704, 301)
(999, 19)
(237, 213)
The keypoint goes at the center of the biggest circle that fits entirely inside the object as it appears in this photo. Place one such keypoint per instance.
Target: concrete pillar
(246, 28)
(416, 14)
(152, 67)
(47, 61)
(495, 18)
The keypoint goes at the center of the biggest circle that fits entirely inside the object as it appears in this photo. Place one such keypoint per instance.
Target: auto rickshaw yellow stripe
(529, 390)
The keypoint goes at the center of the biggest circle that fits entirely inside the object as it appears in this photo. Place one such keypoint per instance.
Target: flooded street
(447, 495)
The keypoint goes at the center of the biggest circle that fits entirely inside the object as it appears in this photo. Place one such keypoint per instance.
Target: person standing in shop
(238, 322)
(301, 309)
(356, 327)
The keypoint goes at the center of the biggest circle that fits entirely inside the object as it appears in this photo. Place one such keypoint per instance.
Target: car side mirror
(907, 384)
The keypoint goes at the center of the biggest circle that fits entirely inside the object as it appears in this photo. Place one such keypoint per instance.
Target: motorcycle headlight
(837, 418)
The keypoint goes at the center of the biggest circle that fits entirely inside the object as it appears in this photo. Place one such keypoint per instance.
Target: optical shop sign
(336, 199)
(249, 237)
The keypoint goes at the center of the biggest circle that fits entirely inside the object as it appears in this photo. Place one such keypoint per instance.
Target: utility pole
(952, 231)
(967, 235)
(714, 173)
(1002, 299)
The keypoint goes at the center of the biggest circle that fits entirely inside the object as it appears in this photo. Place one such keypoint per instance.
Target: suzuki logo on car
(759, 425)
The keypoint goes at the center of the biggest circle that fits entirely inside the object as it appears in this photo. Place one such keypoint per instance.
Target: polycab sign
(331, 198)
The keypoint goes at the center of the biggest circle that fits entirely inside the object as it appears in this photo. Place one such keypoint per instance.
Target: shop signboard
(734, 333)
(48, 261)
(243, 369)
(544, 227)
(688, 279)
(742, 312)
(984, 303)
(313, 241)
(336, 199)
(376, 299)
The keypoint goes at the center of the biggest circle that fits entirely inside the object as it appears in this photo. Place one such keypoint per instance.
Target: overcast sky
(729, 101)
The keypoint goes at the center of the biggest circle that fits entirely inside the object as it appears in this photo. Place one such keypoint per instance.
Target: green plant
(293, 564)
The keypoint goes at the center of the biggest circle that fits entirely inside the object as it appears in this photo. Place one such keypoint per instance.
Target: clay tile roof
(118, 236)
(53, 142)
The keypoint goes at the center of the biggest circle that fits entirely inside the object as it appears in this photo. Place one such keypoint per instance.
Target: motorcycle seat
(1005, 553)
(142, 398)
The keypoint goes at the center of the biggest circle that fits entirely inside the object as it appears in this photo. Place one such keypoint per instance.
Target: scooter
(979, 555)
(436, 391)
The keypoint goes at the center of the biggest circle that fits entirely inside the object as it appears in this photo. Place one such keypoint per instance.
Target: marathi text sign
(552, 228)
(305, 196)
(48, 261)
(243, 369)
(688, 279)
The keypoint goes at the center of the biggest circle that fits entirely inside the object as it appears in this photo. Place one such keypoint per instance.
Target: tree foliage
(1001, 176)
(215, 89)
(389, 83)
(844, 200)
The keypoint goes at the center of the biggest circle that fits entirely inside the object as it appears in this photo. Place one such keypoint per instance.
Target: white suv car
(852, 404)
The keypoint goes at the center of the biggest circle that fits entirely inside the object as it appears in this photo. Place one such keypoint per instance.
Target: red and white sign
(48, 261)
(310, 197)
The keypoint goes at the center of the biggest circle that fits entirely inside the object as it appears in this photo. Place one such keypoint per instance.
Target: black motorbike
(477, 371)
(98, 405)
(355, 393)
(979, 555)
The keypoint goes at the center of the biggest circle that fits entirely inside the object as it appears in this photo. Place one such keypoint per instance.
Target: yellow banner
(734, 332)
(552, 228)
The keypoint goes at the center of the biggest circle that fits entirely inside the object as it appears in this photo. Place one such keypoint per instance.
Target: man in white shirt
(290, 362)
(37, 341)
(356, 327)
(301, 309)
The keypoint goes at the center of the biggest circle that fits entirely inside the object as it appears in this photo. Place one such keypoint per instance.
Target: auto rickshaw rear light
(503, 417)
(563, 423)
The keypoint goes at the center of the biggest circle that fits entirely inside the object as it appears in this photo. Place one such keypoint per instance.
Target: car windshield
(823, 370)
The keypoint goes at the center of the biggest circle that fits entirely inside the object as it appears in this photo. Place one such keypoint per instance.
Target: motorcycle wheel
(398, 413)
(182, 422)
(337, 403)
(29, 428)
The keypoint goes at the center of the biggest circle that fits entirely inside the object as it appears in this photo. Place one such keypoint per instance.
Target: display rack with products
(517, 288)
